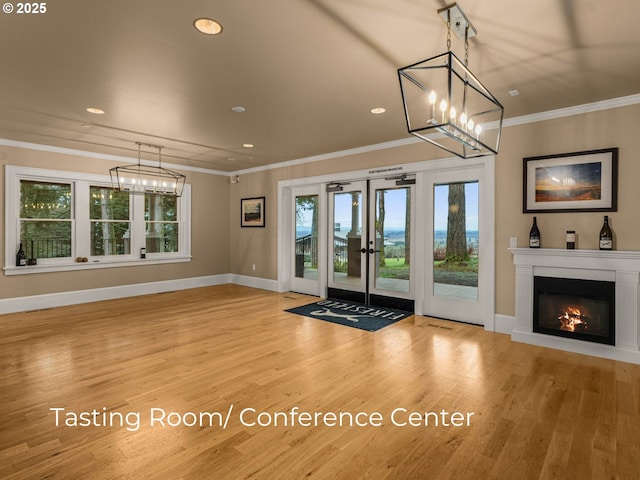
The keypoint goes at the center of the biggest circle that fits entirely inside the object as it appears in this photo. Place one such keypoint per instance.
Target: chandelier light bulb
(470, 124)
(478, 130)
(432, 102)
(452, 114)
(463, 119)
(443, 109)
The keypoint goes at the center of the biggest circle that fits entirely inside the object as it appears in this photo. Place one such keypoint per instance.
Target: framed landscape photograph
(570, 182)
(252, 212)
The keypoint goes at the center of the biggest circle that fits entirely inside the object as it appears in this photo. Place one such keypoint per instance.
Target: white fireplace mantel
(621, 267)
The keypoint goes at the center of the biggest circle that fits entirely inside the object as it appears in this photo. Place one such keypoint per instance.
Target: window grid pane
(46, 238)
(110, 238)
(162, 237)
(45, 200)
(108, 204)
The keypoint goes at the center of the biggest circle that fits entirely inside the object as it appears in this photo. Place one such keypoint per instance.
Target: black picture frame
(571, 182)
(252, 212)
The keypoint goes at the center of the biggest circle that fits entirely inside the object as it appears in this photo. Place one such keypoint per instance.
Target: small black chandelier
(147, 179)
(445, 104)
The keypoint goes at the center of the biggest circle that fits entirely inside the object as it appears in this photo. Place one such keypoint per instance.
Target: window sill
(69, 267)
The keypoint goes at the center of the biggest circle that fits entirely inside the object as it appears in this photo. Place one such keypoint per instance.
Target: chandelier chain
(448, 31)
(466, 46)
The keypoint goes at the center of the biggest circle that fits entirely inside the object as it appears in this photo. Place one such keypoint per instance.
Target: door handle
(371, 250)
(363, 250)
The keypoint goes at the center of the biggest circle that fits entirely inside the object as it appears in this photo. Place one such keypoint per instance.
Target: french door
(369, 245)
(459, 246)
(307, 266)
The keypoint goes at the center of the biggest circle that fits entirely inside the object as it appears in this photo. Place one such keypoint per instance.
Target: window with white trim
(110, 216)
(162, 226)
(67, 221)
(46, 219)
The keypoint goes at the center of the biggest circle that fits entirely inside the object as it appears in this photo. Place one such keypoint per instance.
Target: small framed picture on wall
(252, 212)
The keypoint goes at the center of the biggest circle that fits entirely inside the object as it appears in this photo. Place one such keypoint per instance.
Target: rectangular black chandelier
(147, 179)
(445, 103)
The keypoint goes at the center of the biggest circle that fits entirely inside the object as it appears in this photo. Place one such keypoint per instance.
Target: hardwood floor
(536, 412)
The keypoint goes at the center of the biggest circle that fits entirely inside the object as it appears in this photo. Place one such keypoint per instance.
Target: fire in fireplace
(574, 308)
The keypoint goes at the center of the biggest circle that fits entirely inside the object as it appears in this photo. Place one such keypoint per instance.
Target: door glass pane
(392, 239)
(306, 251)
(347, 235)
(455, 242)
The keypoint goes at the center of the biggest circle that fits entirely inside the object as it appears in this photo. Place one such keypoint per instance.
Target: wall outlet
(253, 267)
(513, 242)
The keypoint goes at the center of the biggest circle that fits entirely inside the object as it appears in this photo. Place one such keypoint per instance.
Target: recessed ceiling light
(378, 110)
(85, 125)
(514, 93)
(248, 145)
(95, 110)
(238, 109)
(208, 26)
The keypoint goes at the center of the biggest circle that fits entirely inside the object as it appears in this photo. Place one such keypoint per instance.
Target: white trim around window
(81, 237)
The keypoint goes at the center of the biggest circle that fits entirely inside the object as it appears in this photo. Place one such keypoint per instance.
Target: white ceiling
(308, 72)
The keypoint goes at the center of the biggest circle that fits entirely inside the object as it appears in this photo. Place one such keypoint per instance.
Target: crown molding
(572, 111)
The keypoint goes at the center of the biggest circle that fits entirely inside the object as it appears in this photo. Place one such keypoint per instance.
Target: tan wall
(610, 128)
(210, 241)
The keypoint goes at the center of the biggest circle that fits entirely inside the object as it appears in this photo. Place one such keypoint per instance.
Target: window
(161, 217)
(63, 218)
(46, 219)
(110, 221)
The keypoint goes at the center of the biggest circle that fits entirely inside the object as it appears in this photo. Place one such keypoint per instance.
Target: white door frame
(356, 186)
(376, 290)
(306, 285)
(286, 220)
(479, 311)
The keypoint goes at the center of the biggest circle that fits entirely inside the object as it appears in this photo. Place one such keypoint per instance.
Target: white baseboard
(504, 323)
(38, 302)
(255, 282)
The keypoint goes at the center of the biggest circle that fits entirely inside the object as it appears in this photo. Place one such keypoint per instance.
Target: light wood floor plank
(537, 413)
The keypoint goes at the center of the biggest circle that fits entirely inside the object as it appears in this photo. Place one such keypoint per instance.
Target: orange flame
(570, 318)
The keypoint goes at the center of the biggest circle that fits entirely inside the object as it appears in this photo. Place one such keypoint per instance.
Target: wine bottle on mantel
(534, 235)
(606, 235)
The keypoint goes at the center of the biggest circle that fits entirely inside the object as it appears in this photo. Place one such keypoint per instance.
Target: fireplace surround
(618, 271)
